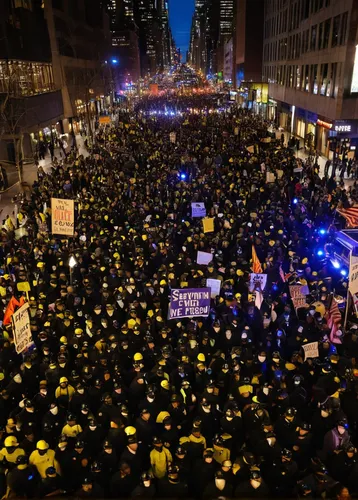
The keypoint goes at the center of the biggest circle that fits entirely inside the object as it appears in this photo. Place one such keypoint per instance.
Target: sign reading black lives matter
(189, 302)
(22, 330)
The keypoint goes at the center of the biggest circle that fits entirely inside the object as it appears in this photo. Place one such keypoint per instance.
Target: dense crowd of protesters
(115, 400)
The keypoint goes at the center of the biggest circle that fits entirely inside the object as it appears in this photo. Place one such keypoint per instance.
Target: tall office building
(125, 63)
(200, 36)
(226, 19)
(311, 66)
(248, 37)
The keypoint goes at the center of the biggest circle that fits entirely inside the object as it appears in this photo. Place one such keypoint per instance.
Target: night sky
(180, 12)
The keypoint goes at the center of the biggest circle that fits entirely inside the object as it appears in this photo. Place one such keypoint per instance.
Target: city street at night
(179, 249)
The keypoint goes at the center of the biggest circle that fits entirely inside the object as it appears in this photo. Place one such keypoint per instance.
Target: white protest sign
(311, 350)
(214, 285)
(204, 258)
(257, 281)
(198, 210)
(63, 216)
(22, 330)
(353, 275)
(270, 177)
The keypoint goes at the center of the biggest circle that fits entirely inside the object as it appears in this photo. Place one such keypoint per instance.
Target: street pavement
(7, 207)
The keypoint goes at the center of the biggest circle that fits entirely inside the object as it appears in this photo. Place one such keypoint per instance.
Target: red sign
(325, 124)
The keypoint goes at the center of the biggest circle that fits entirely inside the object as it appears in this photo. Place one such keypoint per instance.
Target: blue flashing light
(295, 201)
(336, 264)
(322, 232)
(343, 272)
(183, 177)
(320, 253)
(274, 287)
(114, 61)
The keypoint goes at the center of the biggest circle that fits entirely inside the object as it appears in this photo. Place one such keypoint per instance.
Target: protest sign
(189, 302)
(311, 350)
(173, 137)
(204, 258)
(298, 295)
(208, 225)
(198, 210)
(214, 285)
(21, 327)
(63, 216)
(270, 177)
(257, 281)
(353, 275)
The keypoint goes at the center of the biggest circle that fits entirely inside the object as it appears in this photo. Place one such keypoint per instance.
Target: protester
(113, 398)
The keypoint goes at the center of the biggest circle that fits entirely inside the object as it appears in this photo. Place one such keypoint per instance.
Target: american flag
(256, 264)
(350, 214)
(334, 317)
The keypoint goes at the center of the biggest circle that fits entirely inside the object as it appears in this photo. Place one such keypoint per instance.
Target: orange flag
(11, 307)
(256, 264)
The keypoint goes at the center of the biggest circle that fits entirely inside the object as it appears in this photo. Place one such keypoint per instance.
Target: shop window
(313, 37)
(23, 4)
(335, 30)
(343, 33)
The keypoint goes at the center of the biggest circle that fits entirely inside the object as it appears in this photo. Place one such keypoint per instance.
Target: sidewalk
(302, 154)
(29, 177)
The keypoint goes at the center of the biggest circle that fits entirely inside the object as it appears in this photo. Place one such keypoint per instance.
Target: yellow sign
(208, 225)
(63, 216)
(104, 119)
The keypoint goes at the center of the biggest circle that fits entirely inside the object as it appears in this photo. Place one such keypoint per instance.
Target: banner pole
(348, 294)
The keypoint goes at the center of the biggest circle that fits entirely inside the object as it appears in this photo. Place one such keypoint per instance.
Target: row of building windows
(328, 34)
(318, 79)
(20, 78)
(287, 19)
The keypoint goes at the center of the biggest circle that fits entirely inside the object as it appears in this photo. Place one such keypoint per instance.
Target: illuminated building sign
(325, 124)
(342, 128)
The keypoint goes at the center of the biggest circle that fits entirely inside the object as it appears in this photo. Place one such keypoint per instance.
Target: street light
(72, 263)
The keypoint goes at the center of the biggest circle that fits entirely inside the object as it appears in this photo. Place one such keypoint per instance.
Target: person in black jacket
(219, 488)
(255, 487)
(23, 480)
(145, 488)
(172, 486)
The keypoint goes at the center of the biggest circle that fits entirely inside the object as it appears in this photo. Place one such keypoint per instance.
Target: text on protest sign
(198, 210)
(22, 330)
(189, 302)
(257, 281)
(214, 285)
(298, 295)
(63, 216)
(311, 350)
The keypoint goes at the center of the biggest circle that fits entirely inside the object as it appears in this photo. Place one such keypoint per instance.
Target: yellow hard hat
(165, 384)
(63, 379)
(201, 357)
(161, 416)
(63, 340)
(42, 445)
(138, 356)
(78, 331)
(131, 323)
(11, 441)
(130, 430)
